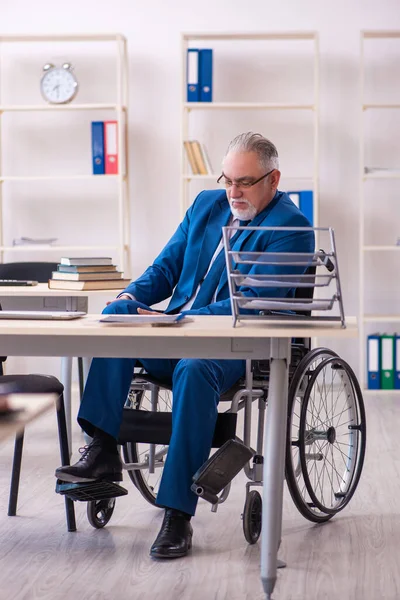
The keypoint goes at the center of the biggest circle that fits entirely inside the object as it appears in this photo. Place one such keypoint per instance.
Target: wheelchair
(326, 429)
(326, 437)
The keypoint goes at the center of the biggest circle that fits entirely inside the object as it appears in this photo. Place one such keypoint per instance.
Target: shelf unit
(188, 107)
(120, 107)
(364, 248)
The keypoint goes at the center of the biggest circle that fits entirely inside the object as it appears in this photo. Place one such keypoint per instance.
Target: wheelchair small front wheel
(252, 517)
(99, 512)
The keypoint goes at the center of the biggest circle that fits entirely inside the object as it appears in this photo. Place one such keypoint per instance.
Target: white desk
(41, 297)
(205, 337)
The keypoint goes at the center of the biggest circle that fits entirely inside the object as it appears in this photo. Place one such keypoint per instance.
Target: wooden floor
(354, 557)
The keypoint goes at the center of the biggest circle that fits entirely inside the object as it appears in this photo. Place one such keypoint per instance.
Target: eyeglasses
(243, 183)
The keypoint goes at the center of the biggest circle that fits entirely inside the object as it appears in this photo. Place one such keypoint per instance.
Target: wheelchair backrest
(306, 293)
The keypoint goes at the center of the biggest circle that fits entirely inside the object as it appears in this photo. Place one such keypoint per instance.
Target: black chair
(35, 384)
(38, 384)
(38, 271)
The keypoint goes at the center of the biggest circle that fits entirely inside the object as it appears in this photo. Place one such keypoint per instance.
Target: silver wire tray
(318, 270)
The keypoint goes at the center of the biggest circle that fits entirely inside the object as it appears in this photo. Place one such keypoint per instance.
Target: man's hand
(123, 297)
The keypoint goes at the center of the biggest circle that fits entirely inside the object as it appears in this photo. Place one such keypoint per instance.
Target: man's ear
(275, 178)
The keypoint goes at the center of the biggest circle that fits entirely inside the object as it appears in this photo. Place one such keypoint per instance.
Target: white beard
(244, 214)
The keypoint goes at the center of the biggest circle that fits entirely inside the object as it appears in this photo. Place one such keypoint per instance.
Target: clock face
(58, 85)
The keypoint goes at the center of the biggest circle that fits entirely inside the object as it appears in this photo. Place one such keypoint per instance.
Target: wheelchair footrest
(220, 469)
(93, 490)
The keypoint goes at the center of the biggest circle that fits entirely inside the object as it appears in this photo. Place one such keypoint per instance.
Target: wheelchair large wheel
(147, 482)
(332, 435)
(294, 474)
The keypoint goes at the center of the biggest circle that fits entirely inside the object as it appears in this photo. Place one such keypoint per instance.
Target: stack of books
(198, 158)
(87, 273)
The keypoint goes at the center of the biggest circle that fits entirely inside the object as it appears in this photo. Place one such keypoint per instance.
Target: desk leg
(274, 462)
(86, 361)
(66, 377)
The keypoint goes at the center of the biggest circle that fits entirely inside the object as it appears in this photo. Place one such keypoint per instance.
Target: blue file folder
(397, 362)
(304, 201)
(98, 147)
(206, 74)
(373, 362)
(192, 75)
(295, 198)
(306, 205)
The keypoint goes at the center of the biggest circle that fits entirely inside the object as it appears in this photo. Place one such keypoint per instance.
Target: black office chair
(38, 271)
(35, 384)
(38, 384)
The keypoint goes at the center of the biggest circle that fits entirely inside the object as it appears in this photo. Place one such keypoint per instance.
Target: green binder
(387, 362)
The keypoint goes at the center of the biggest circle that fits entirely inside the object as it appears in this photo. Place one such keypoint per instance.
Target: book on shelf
(110, 284)
(89, 276)
(85, 261)
(86, 268)
(198, 157)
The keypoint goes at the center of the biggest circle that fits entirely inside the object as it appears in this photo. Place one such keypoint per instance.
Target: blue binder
(295, 198)
(192, 75)
(98, 148)
(306, 205)
(304, 201)
(373, 362)
(206, 72)
(397, 362)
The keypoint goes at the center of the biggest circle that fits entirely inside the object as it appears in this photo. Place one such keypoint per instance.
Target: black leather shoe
(175, 537)
(96, 463)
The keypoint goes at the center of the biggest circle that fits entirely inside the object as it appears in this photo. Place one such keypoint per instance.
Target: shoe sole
(174, 555)
(69, 478)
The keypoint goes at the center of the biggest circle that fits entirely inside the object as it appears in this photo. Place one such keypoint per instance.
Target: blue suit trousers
(197, 385)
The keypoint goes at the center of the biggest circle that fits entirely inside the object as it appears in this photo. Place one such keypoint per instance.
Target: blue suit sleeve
(281, 241)
(158, 281)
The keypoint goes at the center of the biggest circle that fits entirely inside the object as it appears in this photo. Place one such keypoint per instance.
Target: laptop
(46, 315)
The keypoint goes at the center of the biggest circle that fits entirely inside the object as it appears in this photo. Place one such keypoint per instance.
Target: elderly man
(191, 269)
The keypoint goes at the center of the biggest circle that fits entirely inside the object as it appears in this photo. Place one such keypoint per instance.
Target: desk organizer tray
(301, 276)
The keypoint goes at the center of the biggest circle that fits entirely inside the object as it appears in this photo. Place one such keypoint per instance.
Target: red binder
(111, 147)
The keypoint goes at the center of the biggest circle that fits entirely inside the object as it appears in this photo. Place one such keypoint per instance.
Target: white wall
(153, 32)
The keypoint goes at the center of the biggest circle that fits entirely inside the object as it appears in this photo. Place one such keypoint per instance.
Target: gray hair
(255, 142)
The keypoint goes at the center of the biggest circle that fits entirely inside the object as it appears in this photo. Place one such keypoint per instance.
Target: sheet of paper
(155, 319)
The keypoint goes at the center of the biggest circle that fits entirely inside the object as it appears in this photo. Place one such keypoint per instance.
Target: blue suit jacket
(184, 261)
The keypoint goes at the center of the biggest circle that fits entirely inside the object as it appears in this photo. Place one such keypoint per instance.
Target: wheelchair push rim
(332, 435)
